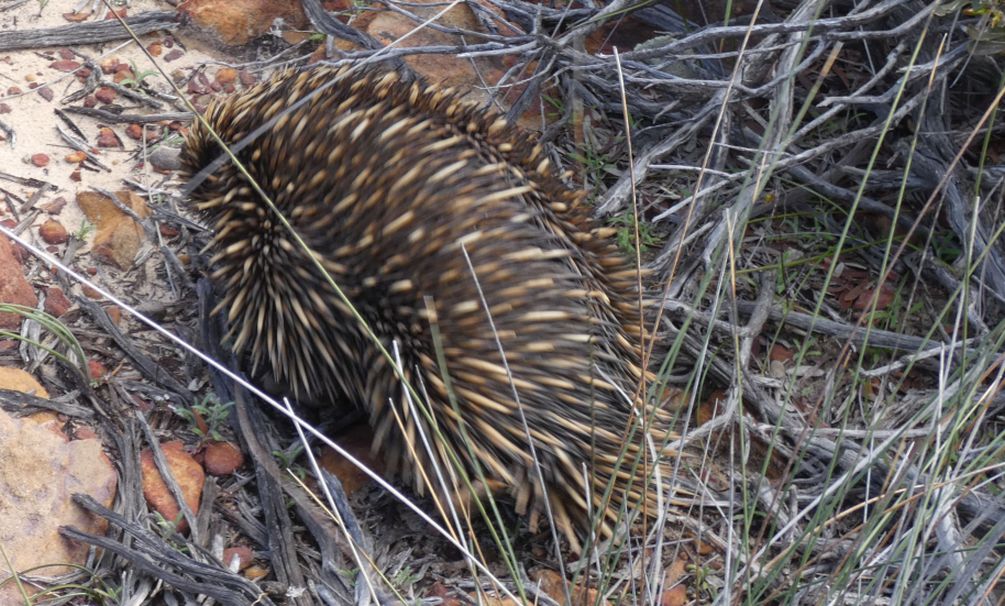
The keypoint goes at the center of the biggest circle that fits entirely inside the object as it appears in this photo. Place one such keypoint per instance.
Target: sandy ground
(33, 120)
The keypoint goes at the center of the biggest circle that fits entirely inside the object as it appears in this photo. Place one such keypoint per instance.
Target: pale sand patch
(34, 121)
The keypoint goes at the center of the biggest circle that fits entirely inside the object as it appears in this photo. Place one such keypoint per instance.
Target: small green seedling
(213, 412)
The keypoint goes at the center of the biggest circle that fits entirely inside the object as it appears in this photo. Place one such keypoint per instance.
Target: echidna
(447, 229)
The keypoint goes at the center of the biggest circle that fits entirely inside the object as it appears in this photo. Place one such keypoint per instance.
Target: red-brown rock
(108, 138)
(187, 473)
(14, 288)
(226, 75)
(77, 17)
(243, 554)
(222, 458)
(134, 131)
(39, 471)
(357, 443)
(237, 22)
(53, 232)
(64, 65)
(118, 237)
(56, 303)
(105, 94)
(54, 206)
(96, 369)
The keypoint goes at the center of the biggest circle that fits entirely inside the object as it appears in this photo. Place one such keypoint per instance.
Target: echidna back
(452, 237)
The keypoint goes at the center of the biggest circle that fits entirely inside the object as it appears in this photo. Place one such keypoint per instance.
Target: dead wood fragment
(150, 553)
(92, 32)
(113, 117)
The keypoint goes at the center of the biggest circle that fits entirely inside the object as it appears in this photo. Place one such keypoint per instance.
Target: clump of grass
(66, 348)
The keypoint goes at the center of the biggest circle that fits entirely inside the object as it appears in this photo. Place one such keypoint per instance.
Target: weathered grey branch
(91, 32)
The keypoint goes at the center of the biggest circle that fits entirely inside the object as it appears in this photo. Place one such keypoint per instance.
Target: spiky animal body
(432, 213)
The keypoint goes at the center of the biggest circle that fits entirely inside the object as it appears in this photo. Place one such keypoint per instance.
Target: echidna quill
(451, 234)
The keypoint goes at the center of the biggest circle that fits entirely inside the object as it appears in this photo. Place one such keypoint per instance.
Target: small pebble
(53, 232)
(105, 94)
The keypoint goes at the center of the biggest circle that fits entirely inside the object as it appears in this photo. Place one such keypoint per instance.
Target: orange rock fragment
(187, 473)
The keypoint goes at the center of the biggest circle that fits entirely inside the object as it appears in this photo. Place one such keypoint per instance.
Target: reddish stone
(55, 206)
(96, 369)
(222, 458)
(39, 472)
(77, 17)
(108, 138)
(187, 473)
(134, 131)
(118, 237)
(114, 314)
(14, 288)
(237, 22)
(242, 554)
(357, 443)
(56, 303)
(53, 232)
(64, 65)
(226, 75)
(168, 231)
(105, 94)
